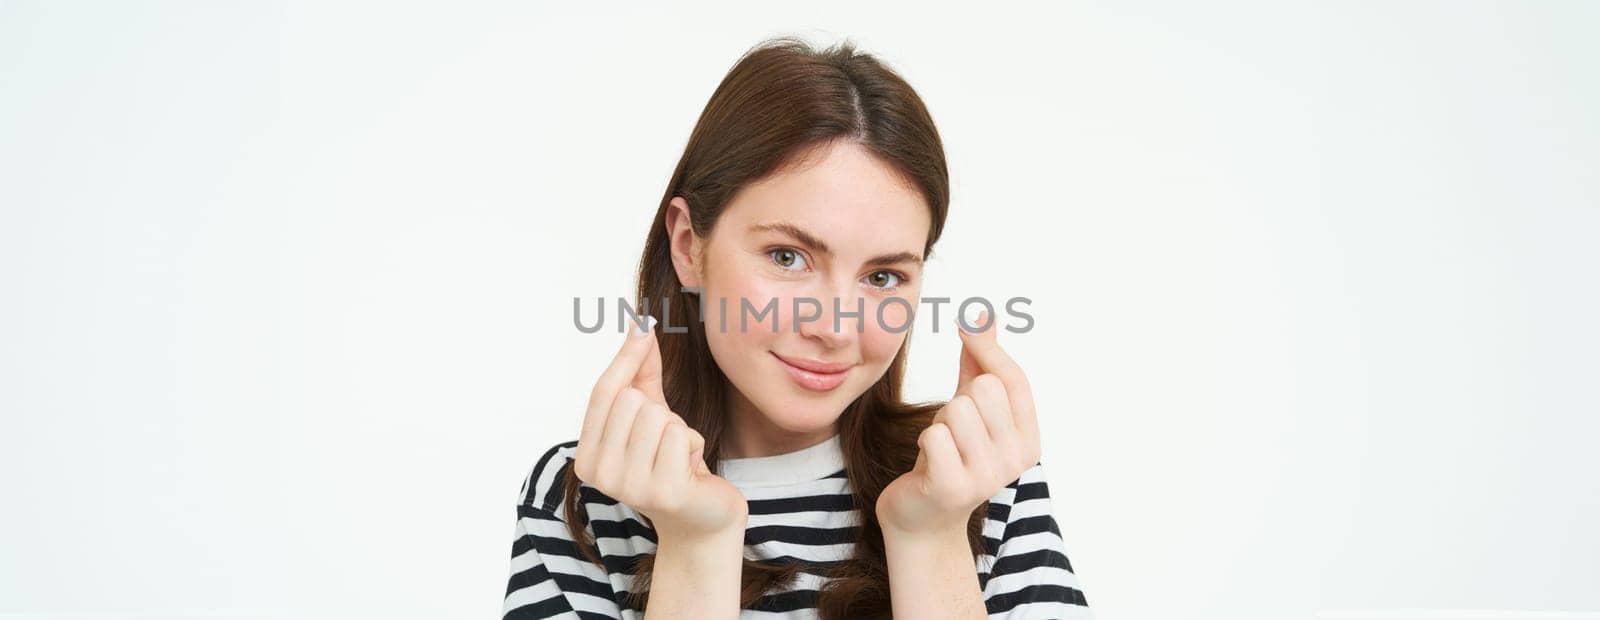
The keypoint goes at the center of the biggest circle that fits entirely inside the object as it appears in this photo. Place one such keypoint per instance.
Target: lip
(815, 375)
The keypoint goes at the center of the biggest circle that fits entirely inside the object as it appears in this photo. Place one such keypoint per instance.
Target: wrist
(933, 527)
(696, 574)
(933, 573)
(930, 533)
(702, 555)
(726, 536)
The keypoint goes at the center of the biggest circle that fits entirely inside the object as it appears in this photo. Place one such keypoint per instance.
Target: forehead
(845, 195)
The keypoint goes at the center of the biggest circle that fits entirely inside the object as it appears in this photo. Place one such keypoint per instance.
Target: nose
(841, 303)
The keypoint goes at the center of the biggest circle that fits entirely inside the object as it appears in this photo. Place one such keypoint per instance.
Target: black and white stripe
(1024, 573)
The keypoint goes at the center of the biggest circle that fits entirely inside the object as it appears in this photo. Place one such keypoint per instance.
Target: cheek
(878, 343)
(734, 329)
(891, 313)
(771, 300)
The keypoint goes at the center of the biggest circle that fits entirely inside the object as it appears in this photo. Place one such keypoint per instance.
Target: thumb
(697, 450)
(970, 367)
(969, 370)
(648, 377)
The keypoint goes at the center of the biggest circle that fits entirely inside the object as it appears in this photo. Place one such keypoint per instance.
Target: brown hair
(781, 102)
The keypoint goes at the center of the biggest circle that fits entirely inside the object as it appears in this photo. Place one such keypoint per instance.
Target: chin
(806, 415)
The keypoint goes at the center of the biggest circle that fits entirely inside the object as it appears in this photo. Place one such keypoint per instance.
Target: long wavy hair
(781, 101)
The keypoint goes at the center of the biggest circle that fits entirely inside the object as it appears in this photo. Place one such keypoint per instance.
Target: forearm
(933, 575)
(696, 577)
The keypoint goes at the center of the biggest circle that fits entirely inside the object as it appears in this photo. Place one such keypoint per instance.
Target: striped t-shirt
(801, 508)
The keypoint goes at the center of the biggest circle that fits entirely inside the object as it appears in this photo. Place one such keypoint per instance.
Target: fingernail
(975, 318)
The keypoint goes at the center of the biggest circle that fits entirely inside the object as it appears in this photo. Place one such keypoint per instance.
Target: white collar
(802, 465)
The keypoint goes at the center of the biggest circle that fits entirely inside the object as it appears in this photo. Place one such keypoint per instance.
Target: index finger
(985, 348)
(617, 375)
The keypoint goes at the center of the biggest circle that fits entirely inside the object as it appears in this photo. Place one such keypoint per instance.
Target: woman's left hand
(982, 440)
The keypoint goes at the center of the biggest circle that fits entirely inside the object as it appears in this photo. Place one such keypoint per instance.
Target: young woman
(740, 459)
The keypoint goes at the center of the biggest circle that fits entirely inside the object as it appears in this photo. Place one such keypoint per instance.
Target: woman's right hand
(636, 450)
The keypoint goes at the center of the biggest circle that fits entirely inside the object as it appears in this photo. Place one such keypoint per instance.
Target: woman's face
(843, 226)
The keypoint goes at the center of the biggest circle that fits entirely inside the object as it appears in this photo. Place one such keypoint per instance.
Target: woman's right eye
(785, 257)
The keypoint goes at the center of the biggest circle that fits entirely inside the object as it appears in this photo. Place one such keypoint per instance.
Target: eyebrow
(808, 239)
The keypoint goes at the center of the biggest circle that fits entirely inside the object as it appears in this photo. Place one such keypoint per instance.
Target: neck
(752, 434)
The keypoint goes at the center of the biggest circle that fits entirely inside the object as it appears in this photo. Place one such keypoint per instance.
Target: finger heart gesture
(636, 450)
(986, 436)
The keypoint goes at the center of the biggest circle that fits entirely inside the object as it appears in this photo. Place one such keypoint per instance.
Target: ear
(684, 243)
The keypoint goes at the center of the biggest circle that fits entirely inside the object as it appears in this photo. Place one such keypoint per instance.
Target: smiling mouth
(814, 375)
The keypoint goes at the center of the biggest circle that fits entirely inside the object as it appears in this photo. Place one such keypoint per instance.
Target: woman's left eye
(892, 276)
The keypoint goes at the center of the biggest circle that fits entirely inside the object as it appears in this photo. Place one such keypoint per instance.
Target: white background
(287, 288)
